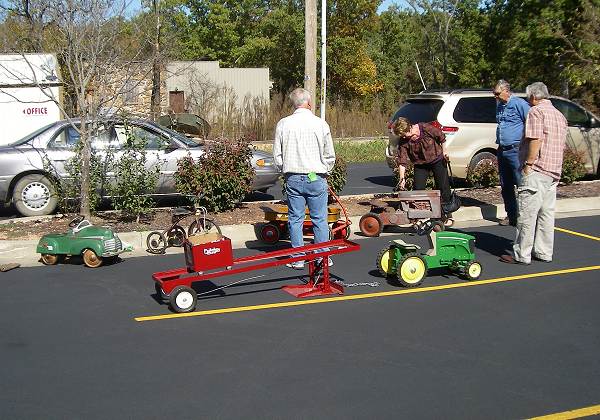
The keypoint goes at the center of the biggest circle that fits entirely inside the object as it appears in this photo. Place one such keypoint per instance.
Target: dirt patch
(160, 218)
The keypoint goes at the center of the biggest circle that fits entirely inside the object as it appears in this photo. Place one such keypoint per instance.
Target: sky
(387, 3)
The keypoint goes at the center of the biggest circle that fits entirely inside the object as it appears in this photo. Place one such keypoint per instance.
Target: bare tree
(98, 63)
(156, 65)
(442, 12)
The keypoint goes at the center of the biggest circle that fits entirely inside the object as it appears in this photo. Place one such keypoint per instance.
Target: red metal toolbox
(209, 255)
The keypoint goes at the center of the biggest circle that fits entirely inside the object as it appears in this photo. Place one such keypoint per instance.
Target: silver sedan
(26, 181)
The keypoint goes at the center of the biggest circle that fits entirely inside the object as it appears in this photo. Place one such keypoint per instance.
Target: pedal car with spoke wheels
(452, 250)
(95, 244)
(175, 235)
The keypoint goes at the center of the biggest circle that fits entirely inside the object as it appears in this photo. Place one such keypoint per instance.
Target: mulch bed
(252, 212)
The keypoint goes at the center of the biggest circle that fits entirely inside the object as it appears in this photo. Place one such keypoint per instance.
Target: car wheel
(34, 195)
(50, 259)
(479, 159)
(412, 270)
(370, 225)
(183, 299)
(91, 259)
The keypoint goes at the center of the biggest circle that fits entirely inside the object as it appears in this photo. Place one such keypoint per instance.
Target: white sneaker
(296, 265)
(329, 261)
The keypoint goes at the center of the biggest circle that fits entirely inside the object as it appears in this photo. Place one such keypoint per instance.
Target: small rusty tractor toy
(404, 208)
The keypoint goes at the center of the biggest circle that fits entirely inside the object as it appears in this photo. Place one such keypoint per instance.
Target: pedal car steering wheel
(76, 221)
(427, 226)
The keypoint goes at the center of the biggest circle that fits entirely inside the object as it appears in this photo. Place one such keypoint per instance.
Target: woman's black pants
(440, 176)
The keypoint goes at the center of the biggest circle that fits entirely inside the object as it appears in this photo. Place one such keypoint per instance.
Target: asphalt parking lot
(520, 342)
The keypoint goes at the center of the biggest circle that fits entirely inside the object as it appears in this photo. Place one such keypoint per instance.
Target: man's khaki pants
(536, 199)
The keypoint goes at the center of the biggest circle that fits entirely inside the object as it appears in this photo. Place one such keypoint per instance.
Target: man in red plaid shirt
(541, 155)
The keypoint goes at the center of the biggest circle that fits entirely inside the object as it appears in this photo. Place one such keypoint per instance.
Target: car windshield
(419, 110)
(31, 135)
(175, 134)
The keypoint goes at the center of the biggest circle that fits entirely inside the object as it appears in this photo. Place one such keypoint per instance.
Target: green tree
(278, 43)
(530, 48)
(398, 45)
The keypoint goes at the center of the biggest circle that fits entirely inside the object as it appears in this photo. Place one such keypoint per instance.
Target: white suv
(468, 118)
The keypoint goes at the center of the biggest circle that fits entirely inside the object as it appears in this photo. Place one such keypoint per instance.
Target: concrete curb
(24, 251)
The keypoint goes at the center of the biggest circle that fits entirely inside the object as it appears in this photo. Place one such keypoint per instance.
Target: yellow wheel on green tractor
(412, 270)
(472, 270)
(384, 262)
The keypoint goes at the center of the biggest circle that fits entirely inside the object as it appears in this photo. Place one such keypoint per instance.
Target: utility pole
(155, 98)
(323, 57)
(310, 52)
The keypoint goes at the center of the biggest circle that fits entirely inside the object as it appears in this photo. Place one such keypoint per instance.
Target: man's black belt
(509, 147)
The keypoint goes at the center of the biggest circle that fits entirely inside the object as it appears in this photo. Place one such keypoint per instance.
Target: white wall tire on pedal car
(49, 259)
(91, 259)
(183, 299)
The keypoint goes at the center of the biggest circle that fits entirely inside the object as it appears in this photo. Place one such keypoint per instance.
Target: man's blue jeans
(509, 170)
(301, 192)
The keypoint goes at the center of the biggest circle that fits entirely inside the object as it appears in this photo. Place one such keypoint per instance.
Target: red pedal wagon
(276, 226)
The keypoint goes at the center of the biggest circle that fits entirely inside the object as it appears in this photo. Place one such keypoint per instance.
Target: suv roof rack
(436, 91)
(456, 90)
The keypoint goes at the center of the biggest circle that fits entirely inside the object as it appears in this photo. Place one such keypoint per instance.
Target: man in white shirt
(303, 151)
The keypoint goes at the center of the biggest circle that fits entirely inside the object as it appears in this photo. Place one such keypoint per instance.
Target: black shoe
(533, 257)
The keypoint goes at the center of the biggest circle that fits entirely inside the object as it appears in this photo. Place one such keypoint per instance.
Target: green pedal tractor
(453, 250)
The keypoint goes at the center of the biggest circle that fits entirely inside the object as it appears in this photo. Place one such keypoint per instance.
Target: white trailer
(29, 94)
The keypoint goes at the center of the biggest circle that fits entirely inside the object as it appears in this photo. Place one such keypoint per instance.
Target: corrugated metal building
(205, 88)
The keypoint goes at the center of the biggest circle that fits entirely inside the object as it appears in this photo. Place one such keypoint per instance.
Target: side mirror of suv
(594, 123)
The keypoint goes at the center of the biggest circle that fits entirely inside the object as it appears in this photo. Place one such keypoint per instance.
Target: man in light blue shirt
(511, 113)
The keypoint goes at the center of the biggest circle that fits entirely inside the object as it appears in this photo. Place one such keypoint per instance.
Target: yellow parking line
(583, 235)
(365, 295)
(571, 414)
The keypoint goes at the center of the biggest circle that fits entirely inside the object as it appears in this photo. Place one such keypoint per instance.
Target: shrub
(485, 174)
(134, 182)
(220, 178)
(409, 175)
(338, 176)
(573, 167)
(68, 189)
